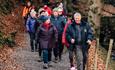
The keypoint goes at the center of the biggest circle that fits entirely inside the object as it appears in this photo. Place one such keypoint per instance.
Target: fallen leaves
(11, 25)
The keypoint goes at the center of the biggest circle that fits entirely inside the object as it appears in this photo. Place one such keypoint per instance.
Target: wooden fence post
(96, 52)
(109, 53)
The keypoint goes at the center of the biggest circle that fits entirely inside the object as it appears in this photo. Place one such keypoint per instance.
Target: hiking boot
(36, 50)
(40, 59)
(60, 59)
(56, 60)
(45, 66)
(32, 50)
(50, 64)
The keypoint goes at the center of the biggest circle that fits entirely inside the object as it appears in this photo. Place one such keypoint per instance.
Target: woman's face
(55, 13)
(47, 21)
(44, 13)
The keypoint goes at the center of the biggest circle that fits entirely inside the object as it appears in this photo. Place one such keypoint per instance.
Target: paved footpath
(29, 60)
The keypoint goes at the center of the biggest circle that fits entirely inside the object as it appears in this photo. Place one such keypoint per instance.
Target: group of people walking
(50, 31)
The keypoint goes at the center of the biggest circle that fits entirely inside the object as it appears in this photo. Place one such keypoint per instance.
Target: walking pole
(109, 53)
(96, 51)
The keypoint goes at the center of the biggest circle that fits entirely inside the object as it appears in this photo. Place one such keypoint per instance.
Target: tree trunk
(94, 15)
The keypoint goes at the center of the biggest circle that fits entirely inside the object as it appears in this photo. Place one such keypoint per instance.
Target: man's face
(28, 4)
(77, 19)
(55, 13)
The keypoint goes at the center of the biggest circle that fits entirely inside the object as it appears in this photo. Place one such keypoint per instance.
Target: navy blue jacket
(59, 23)
(81, 33)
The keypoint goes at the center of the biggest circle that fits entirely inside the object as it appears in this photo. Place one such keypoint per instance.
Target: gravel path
(29, 60)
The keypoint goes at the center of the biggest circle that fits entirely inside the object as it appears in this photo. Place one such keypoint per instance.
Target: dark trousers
(80, 54)
(61, 47)
(58, 50)
(47, 55)
(25, 20)
(85, 55)
(32, 41)
(55, 51)
(39, 49)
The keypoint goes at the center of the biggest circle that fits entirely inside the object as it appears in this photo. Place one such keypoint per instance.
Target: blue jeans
(46, 55)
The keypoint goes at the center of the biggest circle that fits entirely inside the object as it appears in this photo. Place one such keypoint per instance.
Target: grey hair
(77, 14)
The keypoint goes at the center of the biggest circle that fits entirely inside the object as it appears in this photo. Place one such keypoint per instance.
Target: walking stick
(96, 52)
(109, 53)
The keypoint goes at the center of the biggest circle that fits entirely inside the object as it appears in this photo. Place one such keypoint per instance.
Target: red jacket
(64, 41)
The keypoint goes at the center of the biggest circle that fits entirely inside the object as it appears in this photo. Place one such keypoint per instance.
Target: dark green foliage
(6, 6)
(112, 2)
(1, 38)
(7, 40)
(69, 6)
(107, 30)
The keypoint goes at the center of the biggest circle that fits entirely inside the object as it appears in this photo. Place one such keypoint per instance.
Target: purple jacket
(47, 39)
